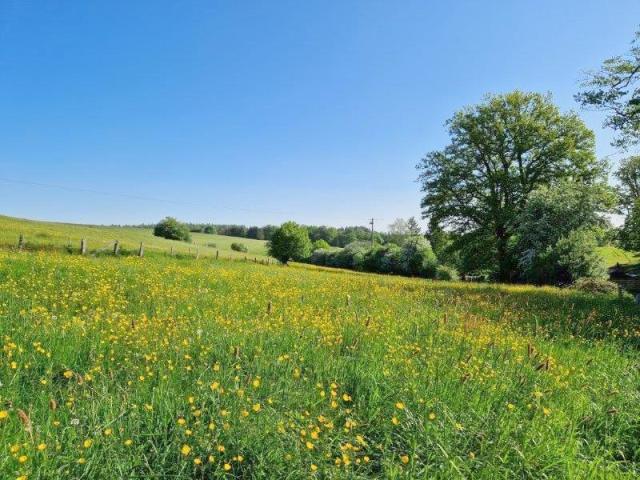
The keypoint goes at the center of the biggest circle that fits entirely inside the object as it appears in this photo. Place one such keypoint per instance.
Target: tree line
(333, 236)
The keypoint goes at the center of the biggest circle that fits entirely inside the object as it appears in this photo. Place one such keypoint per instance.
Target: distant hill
(54, 235)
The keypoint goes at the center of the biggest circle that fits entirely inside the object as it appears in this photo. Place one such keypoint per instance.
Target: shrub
(321, 245)
(212, 245)
(445, 272)
(239, 247)
(595, 285)
(209, 229)
(289, 242)
(171, 229)
(417, 258)
(383, 259)
(577, 256)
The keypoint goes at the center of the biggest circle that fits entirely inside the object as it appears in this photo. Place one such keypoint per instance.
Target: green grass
(52, 235)
(163, 367)
(613, 255)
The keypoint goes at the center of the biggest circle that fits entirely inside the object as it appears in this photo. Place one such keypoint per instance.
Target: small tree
(289, 242)
(171, 229)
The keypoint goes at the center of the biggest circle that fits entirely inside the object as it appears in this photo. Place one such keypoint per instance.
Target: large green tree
(615, 90)
(499, 152)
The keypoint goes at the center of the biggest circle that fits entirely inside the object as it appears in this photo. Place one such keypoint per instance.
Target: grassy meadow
(41, 235)
(612, 255)
(162, 367)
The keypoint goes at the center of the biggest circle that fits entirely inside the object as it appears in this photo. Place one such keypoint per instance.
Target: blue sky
(259, 112)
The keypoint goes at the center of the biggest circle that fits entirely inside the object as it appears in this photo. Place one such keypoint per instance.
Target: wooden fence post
(83, 246)
(171, 251)
(116, 248)
(217, 254)
(141, 250)
(21, 242)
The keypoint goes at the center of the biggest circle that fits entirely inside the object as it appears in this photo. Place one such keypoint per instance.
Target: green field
(172, 367)
(53, 235)
(613, 255)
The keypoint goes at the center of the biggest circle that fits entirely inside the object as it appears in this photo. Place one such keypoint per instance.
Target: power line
(136, 197)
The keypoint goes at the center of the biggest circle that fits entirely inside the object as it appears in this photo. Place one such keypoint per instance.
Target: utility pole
(371, 223)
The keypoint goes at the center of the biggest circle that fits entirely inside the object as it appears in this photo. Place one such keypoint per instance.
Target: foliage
(595, 285)
(171, 229)
(628, 174)
(321, 244)
(446, 272)
(398, 231)
(630, 231)
(501, 151)
(383, 259)
(417, 258)
(414, 258)
(614, 90)
(289, 242)
(577, 256)
(553, 213)
(209, 230)
(413, 227)
(239, 247)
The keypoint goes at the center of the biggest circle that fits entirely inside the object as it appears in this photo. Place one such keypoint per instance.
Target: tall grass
(167, 368)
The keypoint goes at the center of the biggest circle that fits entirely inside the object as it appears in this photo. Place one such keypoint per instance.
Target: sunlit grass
(176, 368)
(53, 235)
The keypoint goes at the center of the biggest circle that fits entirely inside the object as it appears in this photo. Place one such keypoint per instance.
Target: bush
(171, 229)
(595, 285)
(445, 272)
(321, 245)
(578, 257)
(209, 229)
(417, 258)
(383, 259)
(239, 247)
(289, 242)
(212, 245)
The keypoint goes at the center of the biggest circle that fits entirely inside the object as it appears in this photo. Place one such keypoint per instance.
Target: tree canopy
(499, 152)
(172, 229)
(628, 174)
(289, 242)
(614, 89)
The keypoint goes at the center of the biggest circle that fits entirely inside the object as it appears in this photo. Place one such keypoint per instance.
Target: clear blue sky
(259, 112)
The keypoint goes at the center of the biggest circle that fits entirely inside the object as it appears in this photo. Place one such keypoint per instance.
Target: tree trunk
(504, 267)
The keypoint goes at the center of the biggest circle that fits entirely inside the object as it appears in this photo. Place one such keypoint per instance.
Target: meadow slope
(176, 368)
(56, 236)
